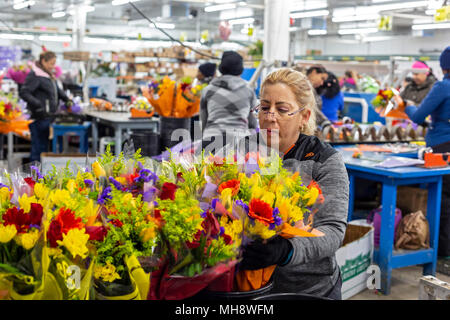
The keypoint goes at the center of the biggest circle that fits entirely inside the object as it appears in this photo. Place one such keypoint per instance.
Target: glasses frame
(274, 114)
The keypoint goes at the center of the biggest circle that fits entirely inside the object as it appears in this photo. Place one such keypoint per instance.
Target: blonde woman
(286, 113)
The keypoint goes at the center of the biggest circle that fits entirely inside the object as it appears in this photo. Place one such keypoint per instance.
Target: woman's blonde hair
(302, 89)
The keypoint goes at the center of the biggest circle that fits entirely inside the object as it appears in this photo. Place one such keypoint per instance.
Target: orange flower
(233, 184)
(314, 184)
(262, 211)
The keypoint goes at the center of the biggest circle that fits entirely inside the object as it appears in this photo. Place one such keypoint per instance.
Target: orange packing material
(247, 280)
(20, 127)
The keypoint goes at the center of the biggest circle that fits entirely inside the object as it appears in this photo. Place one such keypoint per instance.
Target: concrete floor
(404, 285)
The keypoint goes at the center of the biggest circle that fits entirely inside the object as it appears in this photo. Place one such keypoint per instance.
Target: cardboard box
(355, 256)
(76, 55)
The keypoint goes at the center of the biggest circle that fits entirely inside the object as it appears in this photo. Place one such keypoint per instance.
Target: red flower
(36, 213)
(68, 221)
(315, 185)
(157, 214)
(196, 242)
(180, 177)
(234, 184)
(262, 211)
(228, 240)
(18, 218)
(117, 223)
(30, 181)
(184, 86)
(168, 191)
(210, 224)
(96, 233)
(54, 233)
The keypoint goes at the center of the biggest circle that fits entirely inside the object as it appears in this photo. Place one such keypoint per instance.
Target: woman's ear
(305, 114)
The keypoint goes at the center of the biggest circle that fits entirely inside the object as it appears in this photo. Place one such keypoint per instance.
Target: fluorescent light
(25, 4)
(220, 7)
(431, 26)
(14, 36)
(430, 12)
(163, 25)
(56, 38)
(374, 16)
(400, 5)
(58, 14)
(309, 14)
(353, 11)
(121, 2)
(357, 31)
(309, 5)
(95, 40)
(374, 39)
(317, 32)
(357, 25)
(241, 21)
(422, 21)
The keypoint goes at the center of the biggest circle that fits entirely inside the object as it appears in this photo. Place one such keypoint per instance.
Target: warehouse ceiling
(192, 16)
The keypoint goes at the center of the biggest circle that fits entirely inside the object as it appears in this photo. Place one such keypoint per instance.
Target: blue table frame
(386, 258)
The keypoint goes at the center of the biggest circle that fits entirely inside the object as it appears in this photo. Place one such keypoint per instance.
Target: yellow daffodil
(25, 202)
(225, 198)
(259, 229)
(7, 233)
(268, 197)
(40, 191)
(27, 240)
(107, 273)
(254, 180)
(311, 196)
(60, 197)
(4, 195)
(71, 185)
(98, 169)
(122, 180)
(75, 241)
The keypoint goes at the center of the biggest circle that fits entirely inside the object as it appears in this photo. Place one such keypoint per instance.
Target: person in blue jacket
(332, 98)
(437, 105)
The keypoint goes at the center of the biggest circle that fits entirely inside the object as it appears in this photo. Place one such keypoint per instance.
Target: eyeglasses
(281, 112)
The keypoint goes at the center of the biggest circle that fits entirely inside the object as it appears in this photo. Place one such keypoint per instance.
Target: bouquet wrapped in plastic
(172, 99)
(386, 106)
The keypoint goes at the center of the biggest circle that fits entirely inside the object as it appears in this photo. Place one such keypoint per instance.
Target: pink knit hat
(420, 65)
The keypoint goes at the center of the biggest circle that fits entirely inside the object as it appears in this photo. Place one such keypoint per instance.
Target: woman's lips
(271, 132)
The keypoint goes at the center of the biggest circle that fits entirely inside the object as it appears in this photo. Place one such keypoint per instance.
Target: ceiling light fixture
(58, 14)
(25, 4)
(430, 26)
(163, 25)
(14, 36)
(56, 38)
(363, 17)
(357, 31)
(309, 14)
(317, 32)
(121, 2)
(220, 7)
(241, 21)
(95, 40)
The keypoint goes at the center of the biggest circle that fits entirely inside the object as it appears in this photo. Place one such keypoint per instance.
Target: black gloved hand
(258, 255)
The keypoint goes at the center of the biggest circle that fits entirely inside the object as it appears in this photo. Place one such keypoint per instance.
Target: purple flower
(155, 203)
(105, 195)
(88, 182)
(4, 186)
(243, 205)
(38, 173)
(35, 226)
(213, 203)
(145, 175)
(116, 183)
(203, 214)
(222, 231)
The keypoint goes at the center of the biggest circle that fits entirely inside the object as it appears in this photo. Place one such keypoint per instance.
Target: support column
(276, 30)
(78, 27)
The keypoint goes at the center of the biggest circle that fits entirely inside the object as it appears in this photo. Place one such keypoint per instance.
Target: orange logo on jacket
(309, 155)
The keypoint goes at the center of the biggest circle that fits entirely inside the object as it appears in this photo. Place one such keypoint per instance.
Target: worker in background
(422, 83)
(405, 83)
(317, 75)
(206, 72)
(332, 98)
(227, 101)
(349, 82)
(42, 94)
(437, 105)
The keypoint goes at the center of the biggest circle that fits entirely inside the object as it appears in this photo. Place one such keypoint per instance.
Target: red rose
(18, 218)
(30, 182)
(96, 233)
(262, 211)
(68, 221)
(157, 214)
(36, 213)
(210, 224)
(54, 233)
(168, 191)
(227, 239)
(117, 223)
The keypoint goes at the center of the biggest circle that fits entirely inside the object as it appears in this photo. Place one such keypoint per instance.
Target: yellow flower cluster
(7, 233)
(106, 273)
(27, 240)
(232, 228)
(5, 195)
(258, 228)
(75, 241)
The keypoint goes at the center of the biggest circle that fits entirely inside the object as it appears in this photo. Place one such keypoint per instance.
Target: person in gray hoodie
(226, 102)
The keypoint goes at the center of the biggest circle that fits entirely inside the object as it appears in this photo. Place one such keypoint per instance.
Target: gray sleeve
(331, 218)
(203, 110)
(252, 122)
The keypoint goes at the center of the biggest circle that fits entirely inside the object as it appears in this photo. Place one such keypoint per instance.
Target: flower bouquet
(195, 248)
(12, 117)
(18, 73)
(23, 261)
(386, 107)
(172, 99)
(140, 108)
